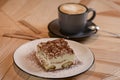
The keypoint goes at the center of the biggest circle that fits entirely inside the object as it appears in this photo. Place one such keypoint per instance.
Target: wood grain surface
(29, 19)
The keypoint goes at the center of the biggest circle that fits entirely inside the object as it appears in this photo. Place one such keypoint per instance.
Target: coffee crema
(72, 8)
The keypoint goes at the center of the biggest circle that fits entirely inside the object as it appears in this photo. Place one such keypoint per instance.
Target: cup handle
(93, 15)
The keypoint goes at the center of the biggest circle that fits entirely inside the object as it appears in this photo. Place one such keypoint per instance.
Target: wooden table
(31, 17)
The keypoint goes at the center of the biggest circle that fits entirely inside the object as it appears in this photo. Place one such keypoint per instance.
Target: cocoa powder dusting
(55, 48)
(33, 61)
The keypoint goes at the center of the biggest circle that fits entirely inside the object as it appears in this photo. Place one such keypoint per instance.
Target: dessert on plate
(55, 54)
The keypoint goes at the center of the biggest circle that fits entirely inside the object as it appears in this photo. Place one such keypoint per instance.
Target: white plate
(25, 60)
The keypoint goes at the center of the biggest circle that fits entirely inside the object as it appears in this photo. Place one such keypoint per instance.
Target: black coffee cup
(73, 17)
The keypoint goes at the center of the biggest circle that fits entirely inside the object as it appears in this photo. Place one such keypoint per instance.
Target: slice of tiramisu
(55, 54)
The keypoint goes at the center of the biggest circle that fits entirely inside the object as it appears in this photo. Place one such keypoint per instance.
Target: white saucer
(25, 60)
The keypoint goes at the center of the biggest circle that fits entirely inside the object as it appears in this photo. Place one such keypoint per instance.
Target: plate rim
(53, 77)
